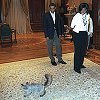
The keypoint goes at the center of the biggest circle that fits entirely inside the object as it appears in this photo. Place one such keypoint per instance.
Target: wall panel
(96, 7)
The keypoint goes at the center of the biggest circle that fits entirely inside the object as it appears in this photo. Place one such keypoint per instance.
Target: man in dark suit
(52, 30)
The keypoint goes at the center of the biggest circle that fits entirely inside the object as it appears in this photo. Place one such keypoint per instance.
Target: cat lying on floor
(37, 88)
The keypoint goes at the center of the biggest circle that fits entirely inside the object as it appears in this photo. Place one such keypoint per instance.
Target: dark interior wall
(0, 8)
(36, 11)
(96, 36)
(63, 5)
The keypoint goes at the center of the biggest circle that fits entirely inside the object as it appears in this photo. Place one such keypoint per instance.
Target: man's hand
(47, 38)
(60, 36)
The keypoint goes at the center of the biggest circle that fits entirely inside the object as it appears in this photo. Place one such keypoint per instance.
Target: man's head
(52, 7)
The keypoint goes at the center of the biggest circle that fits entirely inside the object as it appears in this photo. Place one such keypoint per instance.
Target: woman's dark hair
(52, 4)
(83, 5)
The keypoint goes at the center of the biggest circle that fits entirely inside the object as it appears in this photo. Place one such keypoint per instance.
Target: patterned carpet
(66, 84)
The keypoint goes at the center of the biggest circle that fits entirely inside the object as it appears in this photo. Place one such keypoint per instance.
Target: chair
(6, 35)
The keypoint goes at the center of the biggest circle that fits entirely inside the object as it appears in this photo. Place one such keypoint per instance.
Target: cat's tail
(48, 80)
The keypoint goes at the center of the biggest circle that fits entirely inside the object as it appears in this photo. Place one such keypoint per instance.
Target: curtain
(25, 7)
(17, 17)
(5, 9)
(47, 2)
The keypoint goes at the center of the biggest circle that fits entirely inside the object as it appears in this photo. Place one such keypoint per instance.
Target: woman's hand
(91, 34)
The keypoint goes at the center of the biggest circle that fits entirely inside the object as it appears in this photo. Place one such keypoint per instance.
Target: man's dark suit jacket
(49, 25)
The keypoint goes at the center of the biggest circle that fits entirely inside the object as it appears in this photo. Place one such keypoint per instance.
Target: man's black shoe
(62, 62)
(54, 63)
(78, 71)
(83, 66)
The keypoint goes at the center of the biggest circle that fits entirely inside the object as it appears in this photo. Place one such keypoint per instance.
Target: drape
(5, 9)
(18, 17)
(47, 2)
(25, 7)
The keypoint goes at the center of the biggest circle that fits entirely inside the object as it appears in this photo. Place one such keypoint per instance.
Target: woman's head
(83, 8)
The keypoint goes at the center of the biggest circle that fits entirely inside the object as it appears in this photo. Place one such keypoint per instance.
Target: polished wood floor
(33, 45)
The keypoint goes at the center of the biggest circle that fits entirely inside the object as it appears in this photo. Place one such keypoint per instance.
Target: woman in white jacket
(82, 27)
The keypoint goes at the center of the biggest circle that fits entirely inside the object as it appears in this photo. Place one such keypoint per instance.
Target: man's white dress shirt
(53, 16)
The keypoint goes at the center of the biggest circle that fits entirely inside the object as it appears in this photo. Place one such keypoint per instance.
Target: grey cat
(37, 88)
